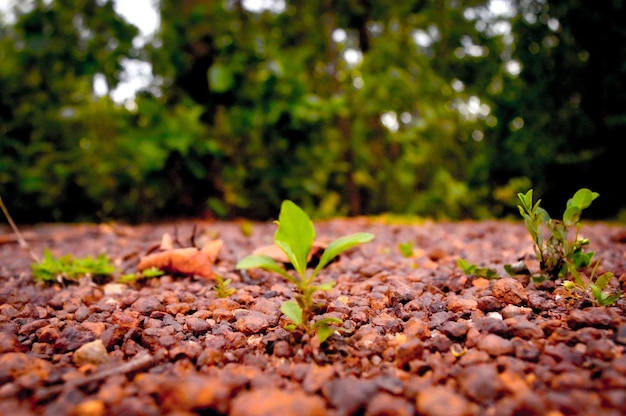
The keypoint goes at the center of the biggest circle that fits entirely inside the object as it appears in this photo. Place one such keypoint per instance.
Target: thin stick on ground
(141, 362)
(20, 239)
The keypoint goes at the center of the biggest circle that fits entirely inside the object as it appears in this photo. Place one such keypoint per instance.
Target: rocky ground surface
(418, 335)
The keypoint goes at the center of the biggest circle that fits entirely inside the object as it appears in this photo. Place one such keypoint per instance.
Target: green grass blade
(266, 263)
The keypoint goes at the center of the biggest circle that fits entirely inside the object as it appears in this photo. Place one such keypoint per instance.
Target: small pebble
(509, 291)
(91, 353)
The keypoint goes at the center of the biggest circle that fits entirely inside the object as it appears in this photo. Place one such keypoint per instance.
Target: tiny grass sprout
(474, 270)
(222, 287)
(294, 236)
(66, 267)
(560, 257)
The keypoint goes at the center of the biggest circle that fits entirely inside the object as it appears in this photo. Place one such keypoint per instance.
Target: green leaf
(598, 294)
(582, 198)
(265, 263)
(406, 249)
(324, 328)
(572, 215)
(325, 286)
(517, 268)
(569, 285)
(324, 332)
(605, 299)
(582, 259)
(465, 266)
(220, 78)
(292, 311)
(340, 245)
(329, 320)
(603, 280)
(295, 235)
(526, 199)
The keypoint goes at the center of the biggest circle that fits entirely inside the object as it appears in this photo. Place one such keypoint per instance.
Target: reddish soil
(419, 336)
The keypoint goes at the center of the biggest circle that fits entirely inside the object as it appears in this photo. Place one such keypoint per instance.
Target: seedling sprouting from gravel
(294, 236)
(406, 249)
(594, 285)
(222, 287)
(559, 256)
(472, 269)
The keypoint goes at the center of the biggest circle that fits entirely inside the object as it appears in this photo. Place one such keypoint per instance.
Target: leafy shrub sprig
(294, 236)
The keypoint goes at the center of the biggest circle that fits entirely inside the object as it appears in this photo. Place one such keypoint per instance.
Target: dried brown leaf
(166, 242)
(190, 261)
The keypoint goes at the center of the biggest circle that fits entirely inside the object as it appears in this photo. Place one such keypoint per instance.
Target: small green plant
(66, 267)
(474, 270)
(406, 249)
(560, 256)
(145, 274)
(294, 236)
(595, 286)
(556, 253)
(222, 287)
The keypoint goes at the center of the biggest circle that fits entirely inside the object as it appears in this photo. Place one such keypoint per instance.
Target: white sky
(141, 13)
(144, 15)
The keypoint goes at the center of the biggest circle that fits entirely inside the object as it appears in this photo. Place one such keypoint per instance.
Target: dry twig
(20, 239)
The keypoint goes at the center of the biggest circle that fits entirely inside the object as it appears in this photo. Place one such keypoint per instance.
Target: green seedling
(406, 249)
(68, 268)
(474, 270)
(594, 286)
(145, 274)
(222, 287)
(294, 236)
(557, 253)
(559, 256)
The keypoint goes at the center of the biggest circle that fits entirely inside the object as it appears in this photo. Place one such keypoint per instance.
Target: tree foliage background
(349, 107)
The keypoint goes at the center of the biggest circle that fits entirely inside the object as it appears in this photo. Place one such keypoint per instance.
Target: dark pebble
(489, 303)
(145, 305)
(620, 334)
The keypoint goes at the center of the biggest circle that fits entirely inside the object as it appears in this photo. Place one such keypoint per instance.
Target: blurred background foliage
(443, 109)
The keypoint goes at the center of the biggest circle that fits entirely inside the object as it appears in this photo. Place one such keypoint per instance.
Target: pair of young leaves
(294, 236)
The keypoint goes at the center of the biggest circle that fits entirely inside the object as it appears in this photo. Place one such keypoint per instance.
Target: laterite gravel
(419, 336)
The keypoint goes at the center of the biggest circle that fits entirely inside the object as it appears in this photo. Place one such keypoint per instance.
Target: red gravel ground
(419, 336)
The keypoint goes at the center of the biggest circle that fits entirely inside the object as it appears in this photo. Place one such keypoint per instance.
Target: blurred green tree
(344, 107)
(562, 120)
(436, 108)
(50, 56)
